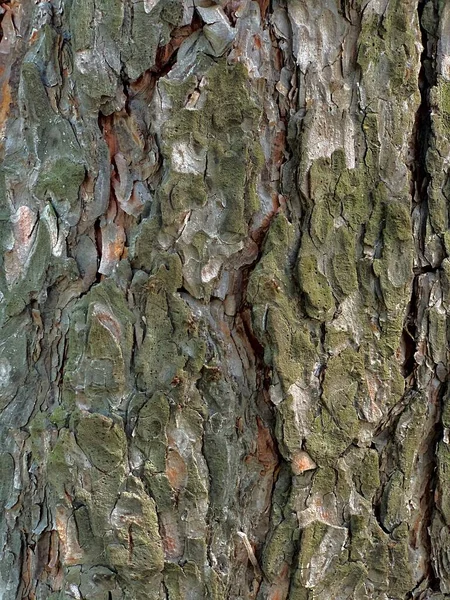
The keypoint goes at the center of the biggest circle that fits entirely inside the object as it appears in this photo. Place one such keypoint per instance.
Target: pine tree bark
(225, 293)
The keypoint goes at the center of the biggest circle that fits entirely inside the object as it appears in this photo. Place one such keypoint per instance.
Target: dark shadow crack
(421, 180)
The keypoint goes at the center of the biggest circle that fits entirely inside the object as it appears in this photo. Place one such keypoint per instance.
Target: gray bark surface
(225, 290)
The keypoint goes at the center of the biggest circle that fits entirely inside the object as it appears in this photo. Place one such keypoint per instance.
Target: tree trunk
(225, 295)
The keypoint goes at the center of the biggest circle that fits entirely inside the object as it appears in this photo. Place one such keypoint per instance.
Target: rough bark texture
(225, 294)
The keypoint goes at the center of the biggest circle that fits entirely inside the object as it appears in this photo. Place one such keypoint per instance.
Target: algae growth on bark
(225, 291)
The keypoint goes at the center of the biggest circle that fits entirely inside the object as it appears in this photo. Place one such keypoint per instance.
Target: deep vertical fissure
(420, 182)
(420, 198)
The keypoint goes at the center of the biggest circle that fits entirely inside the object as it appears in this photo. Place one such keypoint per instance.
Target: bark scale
(225, 294)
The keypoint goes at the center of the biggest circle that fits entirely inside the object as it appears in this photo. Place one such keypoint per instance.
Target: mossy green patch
(393, 509)
(195, 486)
(173, 573)
(322, 221)
(346, 581)
(102, 440)
(171, 349)
(444, 104)
(61, 465)
(35, 106)
(180, 581)
(401, 572)
(62, 178)
(327, 440)
(396, 262)
(137, 555)
(234, 156)
(443, 455)
(215, 586)
(150, 432)
(339, 209)
(338, 424)
(99, 348)
(437, 206)
(288, 345)
(6, 479)
(222, 465)
(81, 19)
(369, 474)
(147, 32)
(37, 427)
(35, 274)
(279, 549)
(159, 487)
(386, 43)
(343, 261)
(310, 541)
(182, 191)
(112, 15)
(358, 537)
(286, 427)
(143, 241)
(195, 550)
(318, 297)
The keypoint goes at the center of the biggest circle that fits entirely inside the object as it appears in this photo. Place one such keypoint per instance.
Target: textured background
(225, 292)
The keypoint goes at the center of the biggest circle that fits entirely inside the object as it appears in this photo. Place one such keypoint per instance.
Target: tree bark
(224, 299)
